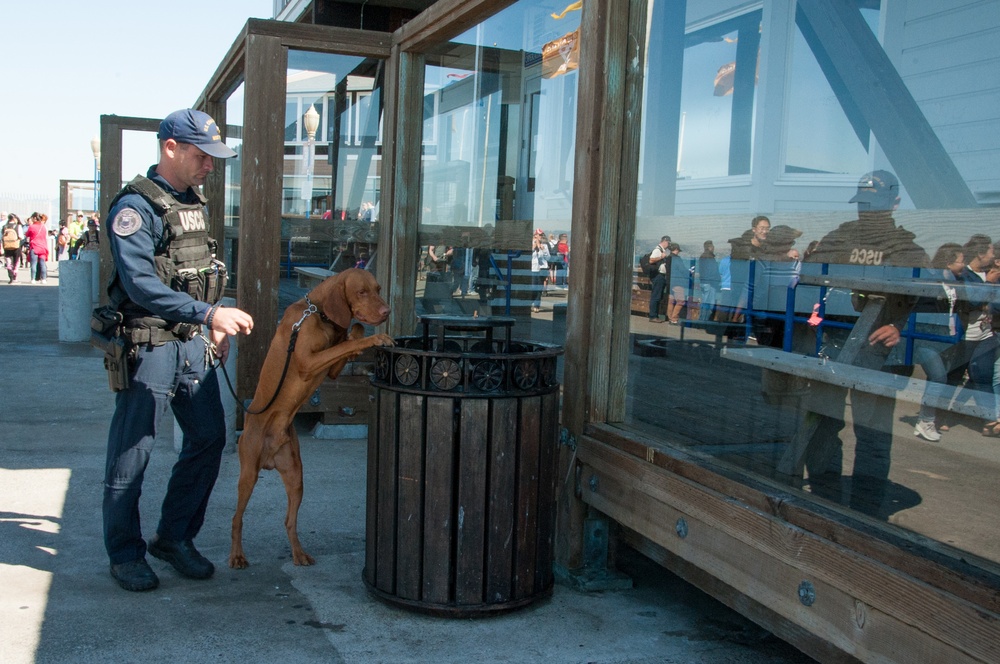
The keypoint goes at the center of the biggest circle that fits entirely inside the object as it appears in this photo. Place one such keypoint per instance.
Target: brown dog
(322, 348)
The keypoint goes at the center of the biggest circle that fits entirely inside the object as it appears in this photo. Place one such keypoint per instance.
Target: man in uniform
(873, 247)
(166, 285)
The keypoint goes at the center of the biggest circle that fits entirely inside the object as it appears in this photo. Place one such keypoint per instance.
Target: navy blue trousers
(659, 285)
(171, 375)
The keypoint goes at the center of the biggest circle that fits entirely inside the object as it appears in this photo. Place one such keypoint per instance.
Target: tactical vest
(185, 257)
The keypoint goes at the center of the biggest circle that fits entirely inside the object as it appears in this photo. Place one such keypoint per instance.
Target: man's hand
(887, 335)
(230, 320)
(221, 342)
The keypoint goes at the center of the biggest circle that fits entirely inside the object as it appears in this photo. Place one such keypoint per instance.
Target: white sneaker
(927, 431)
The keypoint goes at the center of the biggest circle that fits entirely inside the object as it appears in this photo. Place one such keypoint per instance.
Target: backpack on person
(647, 268)
(11, 242)
(63, 239)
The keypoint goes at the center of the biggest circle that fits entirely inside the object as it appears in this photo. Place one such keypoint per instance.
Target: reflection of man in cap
(874, 247)
(166, 285)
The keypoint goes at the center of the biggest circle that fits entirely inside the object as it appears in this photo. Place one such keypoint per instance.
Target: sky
(65, 63)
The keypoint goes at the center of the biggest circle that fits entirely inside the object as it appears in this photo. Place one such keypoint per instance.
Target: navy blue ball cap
(877, 187)
(195, 128)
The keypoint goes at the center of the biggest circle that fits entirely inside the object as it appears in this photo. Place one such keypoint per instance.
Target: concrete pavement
(58, 602)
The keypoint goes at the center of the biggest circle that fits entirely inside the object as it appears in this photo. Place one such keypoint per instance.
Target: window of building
(499, 134)
(762, 344)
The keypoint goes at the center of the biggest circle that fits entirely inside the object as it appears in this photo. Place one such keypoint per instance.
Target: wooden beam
(971, 579)
(303, 36)
(260, 203)
(405, 157)
(600, 129)
(215, 184)
(112, 127)
(444, 20)
(861, 606)
(386, 267)
(627, 203)
(761, 614)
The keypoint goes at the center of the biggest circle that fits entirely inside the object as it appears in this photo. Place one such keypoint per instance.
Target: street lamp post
(95, 146)
(310, 120)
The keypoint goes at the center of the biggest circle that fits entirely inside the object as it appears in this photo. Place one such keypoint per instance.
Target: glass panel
(827, 322)
(821, 138)
(332, 168)
(717, 101)
(234, 175)
(498, 147)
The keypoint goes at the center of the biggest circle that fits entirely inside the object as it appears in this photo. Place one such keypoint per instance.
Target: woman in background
(38, 246)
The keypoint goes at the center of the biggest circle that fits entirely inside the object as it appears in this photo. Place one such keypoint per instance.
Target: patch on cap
(195, 128)
(126, 222)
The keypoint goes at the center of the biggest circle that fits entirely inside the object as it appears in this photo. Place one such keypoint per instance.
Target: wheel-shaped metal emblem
(487, 375)
(407, 369)
(381, 365)
(445, 374)
(525, 374)
(548, 371)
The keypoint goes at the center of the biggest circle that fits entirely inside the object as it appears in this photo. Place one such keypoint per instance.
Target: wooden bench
(311, 276)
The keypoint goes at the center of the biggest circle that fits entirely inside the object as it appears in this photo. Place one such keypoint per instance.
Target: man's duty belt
(160, 335)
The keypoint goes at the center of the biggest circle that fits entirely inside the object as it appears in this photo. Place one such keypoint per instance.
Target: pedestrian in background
(12, 239)
(37, 236)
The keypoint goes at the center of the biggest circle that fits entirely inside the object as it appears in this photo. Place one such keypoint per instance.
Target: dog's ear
(335, 305)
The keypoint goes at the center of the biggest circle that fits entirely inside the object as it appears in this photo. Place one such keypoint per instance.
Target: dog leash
(310, 310)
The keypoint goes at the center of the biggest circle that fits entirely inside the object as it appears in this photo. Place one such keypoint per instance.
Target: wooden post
(260, 205)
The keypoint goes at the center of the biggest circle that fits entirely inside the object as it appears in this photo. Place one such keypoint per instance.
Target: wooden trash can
(461, 469)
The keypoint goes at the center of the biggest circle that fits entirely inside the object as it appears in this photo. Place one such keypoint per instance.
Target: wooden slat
(526, 519)
(410, 497)
(547, 478)
(471, 527)
(836, 617)
(388, 450)
(439, 490)
(499, 544)
(793, 554)
(975, 580)
(372, 488)
(761, 614)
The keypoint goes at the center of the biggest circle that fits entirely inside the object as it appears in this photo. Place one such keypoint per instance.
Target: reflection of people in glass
(680, 275)
(974, 353)
(562, 248)
(937, 317)
(709, 280)
(539, 267)
(874, 247)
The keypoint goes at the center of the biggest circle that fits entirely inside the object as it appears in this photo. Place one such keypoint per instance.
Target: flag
(561, 56)
(573, 7)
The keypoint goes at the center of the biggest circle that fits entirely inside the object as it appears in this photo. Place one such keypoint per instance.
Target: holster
(106, 327)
